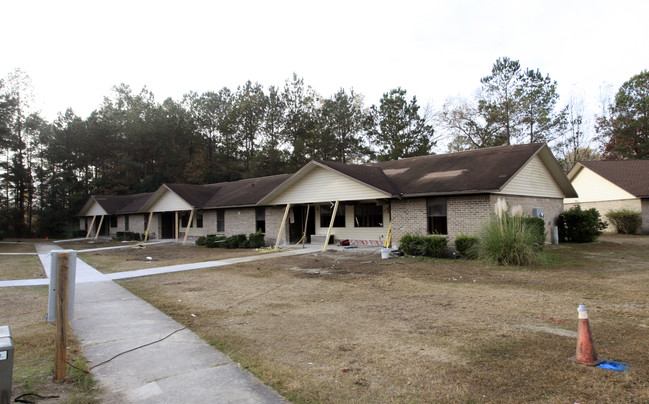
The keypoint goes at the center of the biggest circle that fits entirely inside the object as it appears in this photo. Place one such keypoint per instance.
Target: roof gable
(630, 175)
(321, 182)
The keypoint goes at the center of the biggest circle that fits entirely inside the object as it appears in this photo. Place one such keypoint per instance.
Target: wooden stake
(281, 227)
(306, 222)
(331, 225)
(101, 221)
(189, 225)
(61, 316)
(176, 224)
(146, 233)
(92, 223)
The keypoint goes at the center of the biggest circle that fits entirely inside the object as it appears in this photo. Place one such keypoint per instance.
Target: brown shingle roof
(244, 192)
(630, 175)
(471, 171)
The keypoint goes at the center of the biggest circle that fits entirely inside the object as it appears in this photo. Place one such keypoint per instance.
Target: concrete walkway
(177, 367)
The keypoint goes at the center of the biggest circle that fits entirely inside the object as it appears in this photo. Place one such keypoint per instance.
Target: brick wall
(274, 215)
(239, 221)
(467, 214)
(408, 216)
(209, 222)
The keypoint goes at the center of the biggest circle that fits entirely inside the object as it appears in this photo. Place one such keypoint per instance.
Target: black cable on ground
(20, 399)
(130, 350)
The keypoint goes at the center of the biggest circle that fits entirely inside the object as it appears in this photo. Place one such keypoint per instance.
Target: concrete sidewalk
(176, 367)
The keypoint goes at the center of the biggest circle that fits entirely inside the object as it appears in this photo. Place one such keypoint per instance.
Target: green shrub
(580, 226)
(200, 241)
(213, 241)
(2, 235)
(256, 240)
(467, 246)
(625, 221)
(235, 241)
(428, 246)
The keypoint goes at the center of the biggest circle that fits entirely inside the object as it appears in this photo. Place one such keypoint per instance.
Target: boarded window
(437, 223)
(325, 215)
(260, 216)
(220, 221)
(368, 215)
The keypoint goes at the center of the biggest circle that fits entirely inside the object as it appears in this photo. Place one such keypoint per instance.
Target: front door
(167, 222)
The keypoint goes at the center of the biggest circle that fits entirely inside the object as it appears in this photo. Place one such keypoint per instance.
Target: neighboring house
(612, 184)
(446, 194)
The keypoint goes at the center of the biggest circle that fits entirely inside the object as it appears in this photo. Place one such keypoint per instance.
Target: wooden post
(331, 225)
(61, 316)
(281, 227)
(146, 233)
(176, 225)
(306, 223)
(189, 225)
(92, 223)
(101, 221)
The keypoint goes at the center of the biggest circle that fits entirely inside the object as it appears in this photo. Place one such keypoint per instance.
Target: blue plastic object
(615, 366)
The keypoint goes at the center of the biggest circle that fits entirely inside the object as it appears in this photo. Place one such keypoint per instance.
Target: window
(220, 221)
(199, 219)
(260, 223)
(125, 222)
(437, 216)
(113, 221)
(368, 215)
(184, 219)
(325, 215)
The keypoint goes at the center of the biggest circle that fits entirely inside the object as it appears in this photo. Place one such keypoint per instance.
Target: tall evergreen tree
(397, 129)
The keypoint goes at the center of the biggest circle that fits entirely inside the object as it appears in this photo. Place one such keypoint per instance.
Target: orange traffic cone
(586, 354)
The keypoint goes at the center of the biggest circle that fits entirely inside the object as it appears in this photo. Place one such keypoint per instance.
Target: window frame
(437, 215)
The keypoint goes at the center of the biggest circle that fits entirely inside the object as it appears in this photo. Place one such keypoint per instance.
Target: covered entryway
(303, 216)
(168, 225)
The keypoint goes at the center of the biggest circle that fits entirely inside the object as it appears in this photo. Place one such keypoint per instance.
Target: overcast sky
(76, 51)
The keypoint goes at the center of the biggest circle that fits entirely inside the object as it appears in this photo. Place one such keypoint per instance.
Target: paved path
(182, 368)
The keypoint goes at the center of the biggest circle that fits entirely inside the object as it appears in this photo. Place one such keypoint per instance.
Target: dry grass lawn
(133, 257)
(24, 309)
(13, 267)
(350, 327)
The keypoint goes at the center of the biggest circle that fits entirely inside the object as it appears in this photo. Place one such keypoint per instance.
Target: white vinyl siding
(96, 210)
(321, 185)
(592, 187)
(533, 180)
(170, 202)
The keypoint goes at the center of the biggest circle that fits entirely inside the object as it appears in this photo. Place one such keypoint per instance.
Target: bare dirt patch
(350, 327)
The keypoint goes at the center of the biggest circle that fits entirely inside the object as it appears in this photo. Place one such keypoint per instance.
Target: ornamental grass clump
(509, 239)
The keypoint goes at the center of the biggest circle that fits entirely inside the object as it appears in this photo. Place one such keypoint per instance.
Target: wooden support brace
(176, 226)
(189, 225)
(331, 225)
(92, 223)
(306, 223)
(101, 221)
(281, 227)
(148, 225)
